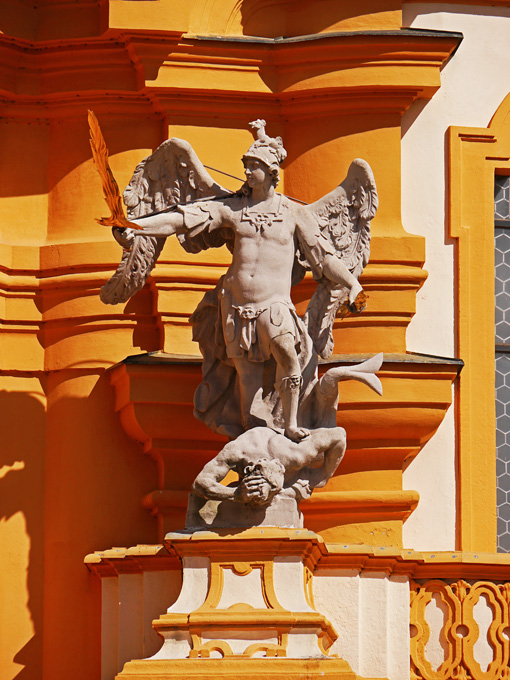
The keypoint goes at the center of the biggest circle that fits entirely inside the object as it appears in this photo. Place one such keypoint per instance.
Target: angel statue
(259, 357)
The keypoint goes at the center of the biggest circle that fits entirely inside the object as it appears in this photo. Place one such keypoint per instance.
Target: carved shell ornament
(174, 175)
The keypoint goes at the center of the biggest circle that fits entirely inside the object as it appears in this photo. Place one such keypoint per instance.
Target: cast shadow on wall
(295, 18)
(30, 20)
(22, 523)
(70, 467)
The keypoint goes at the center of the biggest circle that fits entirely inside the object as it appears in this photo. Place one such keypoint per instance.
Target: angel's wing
(343, 217)
(172, 175)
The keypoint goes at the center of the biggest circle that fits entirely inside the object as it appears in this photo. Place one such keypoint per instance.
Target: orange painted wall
(71, 479)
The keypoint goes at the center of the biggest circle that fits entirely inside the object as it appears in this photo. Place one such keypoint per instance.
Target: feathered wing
(172, 175)
(343, 217)
(133, 271)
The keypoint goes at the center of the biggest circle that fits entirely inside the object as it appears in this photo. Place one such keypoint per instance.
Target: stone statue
(273, 469)
(260, 358)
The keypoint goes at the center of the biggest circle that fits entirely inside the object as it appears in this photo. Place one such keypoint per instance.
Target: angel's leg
(250, 384)
(336, 271)
(288, 383)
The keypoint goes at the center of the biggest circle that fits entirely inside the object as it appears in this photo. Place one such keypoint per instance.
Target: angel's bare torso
(264, 244)
(263, 255)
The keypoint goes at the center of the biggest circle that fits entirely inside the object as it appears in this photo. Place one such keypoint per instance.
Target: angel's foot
(297, 434)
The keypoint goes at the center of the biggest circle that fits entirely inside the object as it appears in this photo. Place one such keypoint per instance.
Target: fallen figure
(275, 472)
(291, 468)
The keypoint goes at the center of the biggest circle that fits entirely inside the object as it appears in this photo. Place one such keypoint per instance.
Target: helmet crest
(268, 150)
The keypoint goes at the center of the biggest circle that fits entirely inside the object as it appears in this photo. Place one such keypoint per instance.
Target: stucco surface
(473, 84)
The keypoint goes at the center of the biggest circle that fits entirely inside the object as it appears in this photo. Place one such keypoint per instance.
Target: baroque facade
(407, 566)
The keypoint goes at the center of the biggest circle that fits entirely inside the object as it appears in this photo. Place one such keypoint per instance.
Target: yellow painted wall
(72, 480)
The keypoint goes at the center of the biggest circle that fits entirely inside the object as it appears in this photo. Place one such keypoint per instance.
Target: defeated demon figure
(269, 464)
(292, 468)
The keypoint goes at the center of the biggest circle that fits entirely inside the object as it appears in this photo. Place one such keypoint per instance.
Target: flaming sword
(110, 187)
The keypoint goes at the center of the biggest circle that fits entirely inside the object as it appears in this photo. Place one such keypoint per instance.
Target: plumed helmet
(268, 150)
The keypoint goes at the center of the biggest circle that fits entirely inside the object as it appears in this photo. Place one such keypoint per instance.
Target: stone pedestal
(207, 514)
(245, 610)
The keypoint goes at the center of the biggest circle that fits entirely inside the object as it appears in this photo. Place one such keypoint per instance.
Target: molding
(67, 65)
(322, 558)
(358, 506)
(400, 33)
(474, 155)
(479, 3)
(383, 70)
(246, 668)
(41, 109)
(361, 505)
(135, 560)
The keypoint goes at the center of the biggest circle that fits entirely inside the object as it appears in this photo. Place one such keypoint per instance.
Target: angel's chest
(266, 228)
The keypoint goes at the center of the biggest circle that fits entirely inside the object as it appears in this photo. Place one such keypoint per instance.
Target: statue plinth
(209, 514)
(245, 610)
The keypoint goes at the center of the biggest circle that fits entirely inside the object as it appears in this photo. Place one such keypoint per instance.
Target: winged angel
(259, 357)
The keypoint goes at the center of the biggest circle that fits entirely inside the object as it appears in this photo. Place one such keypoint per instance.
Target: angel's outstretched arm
(200, 216)
(166, 224)
(160, 226)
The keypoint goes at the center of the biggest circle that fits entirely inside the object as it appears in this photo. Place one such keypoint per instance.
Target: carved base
(244, 594)
(245, 610)
(235, 668)
(203, 514)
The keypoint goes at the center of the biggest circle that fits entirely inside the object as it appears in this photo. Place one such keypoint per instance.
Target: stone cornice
(478, 3)
(361, 558)
(351, 71)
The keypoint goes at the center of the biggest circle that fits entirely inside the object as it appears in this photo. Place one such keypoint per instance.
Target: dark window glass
(502, 333)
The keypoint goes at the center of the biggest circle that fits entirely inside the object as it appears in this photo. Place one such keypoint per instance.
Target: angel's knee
(284, 352)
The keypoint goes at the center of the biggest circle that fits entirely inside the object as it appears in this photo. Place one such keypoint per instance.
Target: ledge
(321, 556)
(282, 40)
(411, 358)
